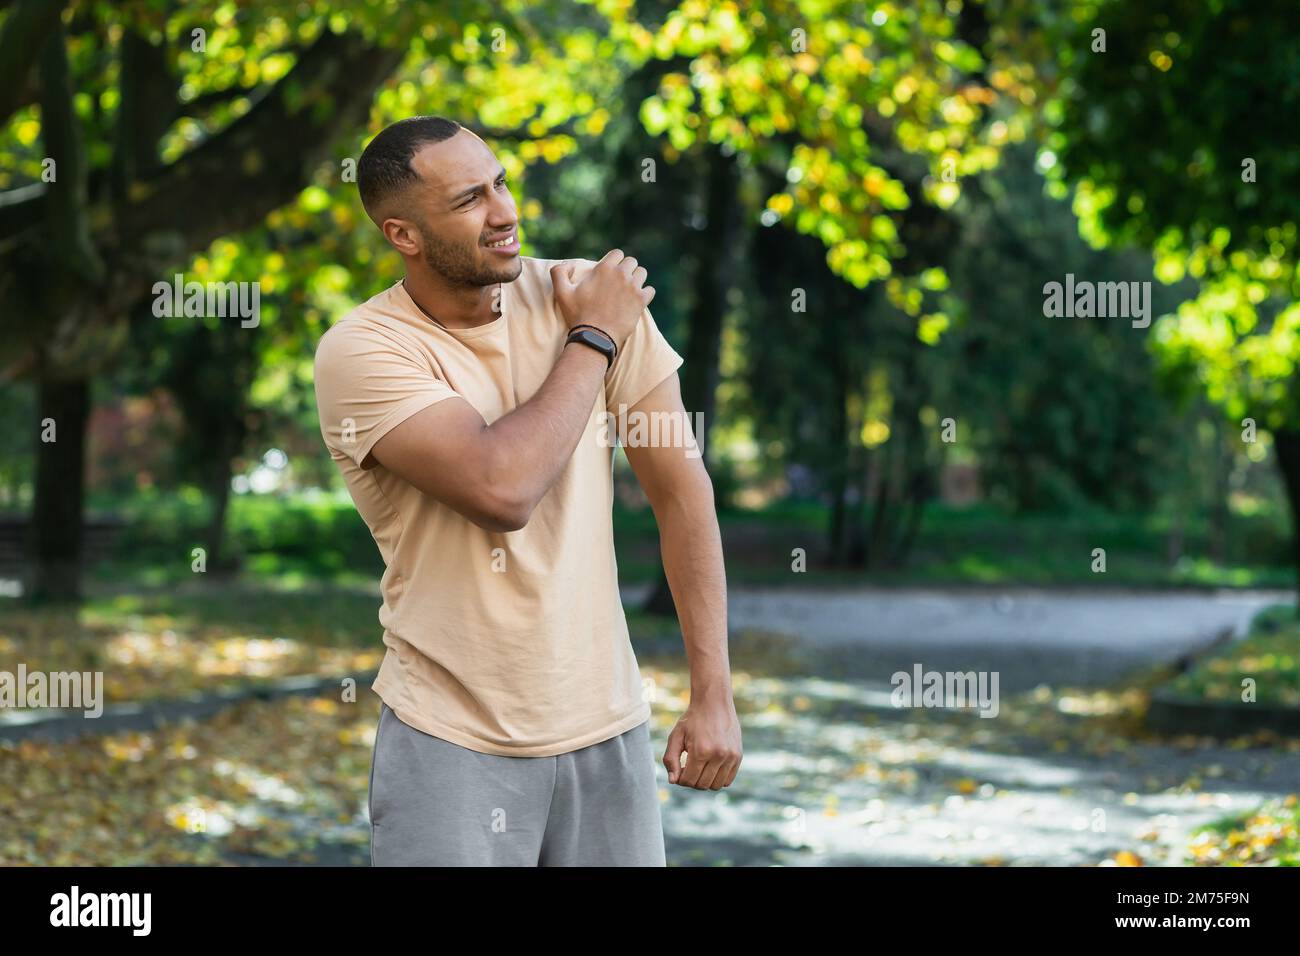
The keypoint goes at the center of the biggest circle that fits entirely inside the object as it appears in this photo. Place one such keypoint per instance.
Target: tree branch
(148, 105)
(205, 101)
(21, 40)
(21, 208)
(260, 161)
(518, 133)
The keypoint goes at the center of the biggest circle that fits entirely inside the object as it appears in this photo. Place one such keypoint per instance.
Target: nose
(501, 215)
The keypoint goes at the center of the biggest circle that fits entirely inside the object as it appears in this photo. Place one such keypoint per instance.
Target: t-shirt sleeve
(643, 361)
(367, 383)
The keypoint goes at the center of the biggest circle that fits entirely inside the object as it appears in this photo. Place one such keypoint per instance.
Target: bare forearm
(530, 446)
(691, 547)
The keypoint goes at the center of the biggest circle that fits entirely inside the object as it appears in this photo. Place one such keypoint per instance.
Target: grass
(1267, 836)
(1269, 656)
(299, 540)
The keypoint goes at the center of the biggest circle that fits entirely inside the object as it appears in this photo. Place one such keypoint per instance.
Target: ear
(404, 236)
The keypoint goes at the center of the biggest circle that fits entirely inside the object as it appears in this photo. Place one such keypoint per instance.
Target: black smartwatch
(597, 340)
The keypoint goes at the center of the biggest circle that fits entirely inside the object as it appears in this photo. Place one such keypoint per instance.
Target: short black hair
(385, 165)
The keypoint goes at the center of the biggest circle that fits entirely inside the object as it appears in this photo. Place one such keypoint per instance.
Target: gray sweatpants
(435, 803)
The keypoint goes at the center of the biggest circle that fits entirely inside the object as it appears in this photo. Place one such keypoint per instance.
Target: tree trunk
(1220, 512)
(1174, 542)
(54, 542)
(856, 553)
(882, 506)
(219, 492)
(838, 479)
(1287, 443)
(920, 490)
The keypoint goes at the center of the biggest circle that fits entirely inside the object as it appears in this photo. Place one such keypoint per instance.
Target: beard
(459, 263)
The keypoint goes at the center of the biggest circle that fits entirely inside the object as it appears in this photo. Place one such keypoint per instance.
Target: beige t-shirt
(510, 643)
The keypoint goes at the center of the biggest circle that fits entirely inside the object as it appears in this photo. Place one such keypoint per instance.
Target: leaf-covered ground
(833, 773)
(1268, 836)
(272, 780)
(171, 644)
(1269, 659)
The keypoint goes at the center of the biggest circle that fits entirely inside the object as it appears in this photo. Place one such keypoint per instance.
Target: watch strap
(594, 338)
(596, 328)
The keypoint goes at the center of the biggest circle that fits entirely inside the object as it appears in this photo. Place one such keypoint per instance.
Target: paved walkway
(1028, 635)
(835, 775)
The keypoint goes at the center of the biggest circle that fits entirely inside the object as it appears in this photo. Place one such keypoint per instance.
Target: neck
(452, 306)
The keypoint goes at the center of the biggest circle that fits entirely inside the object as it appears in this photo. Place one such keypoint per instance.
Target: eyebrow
(474, 189)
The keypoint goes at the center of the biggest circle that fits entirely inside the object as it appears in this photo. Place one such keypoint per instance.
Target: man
(466, 407)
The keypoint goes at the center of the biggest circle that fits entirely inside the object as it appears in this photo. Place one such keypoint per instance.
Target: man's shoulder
(367, 323)
(543, 264)
(533, 288)
(538, 268)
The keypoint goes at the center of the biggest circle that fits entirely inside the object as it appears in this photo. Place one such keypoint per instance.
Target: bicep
(444, 451)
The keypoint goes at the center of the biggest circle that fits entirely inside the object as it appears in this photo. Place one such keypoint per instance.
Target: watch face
(596, 339)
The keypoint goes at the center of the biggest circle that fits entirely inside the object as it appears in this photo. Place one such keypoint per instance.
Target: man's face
(462, 205)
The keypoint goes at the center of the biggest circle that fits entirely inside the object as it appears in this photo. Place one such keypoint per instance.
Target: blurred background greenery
(849, 210)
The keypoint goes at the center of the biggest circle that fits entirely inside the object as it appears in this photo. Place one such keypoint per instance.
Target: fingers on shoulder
(578, 269)
(581, 267)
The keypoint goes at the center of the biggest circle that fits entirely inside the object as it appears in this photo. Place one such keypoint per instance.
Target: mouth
(508, 245)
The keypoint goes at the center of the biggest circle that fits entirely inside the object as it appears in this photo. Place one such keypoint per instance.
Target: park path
(1029, 635)
(833, 774)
